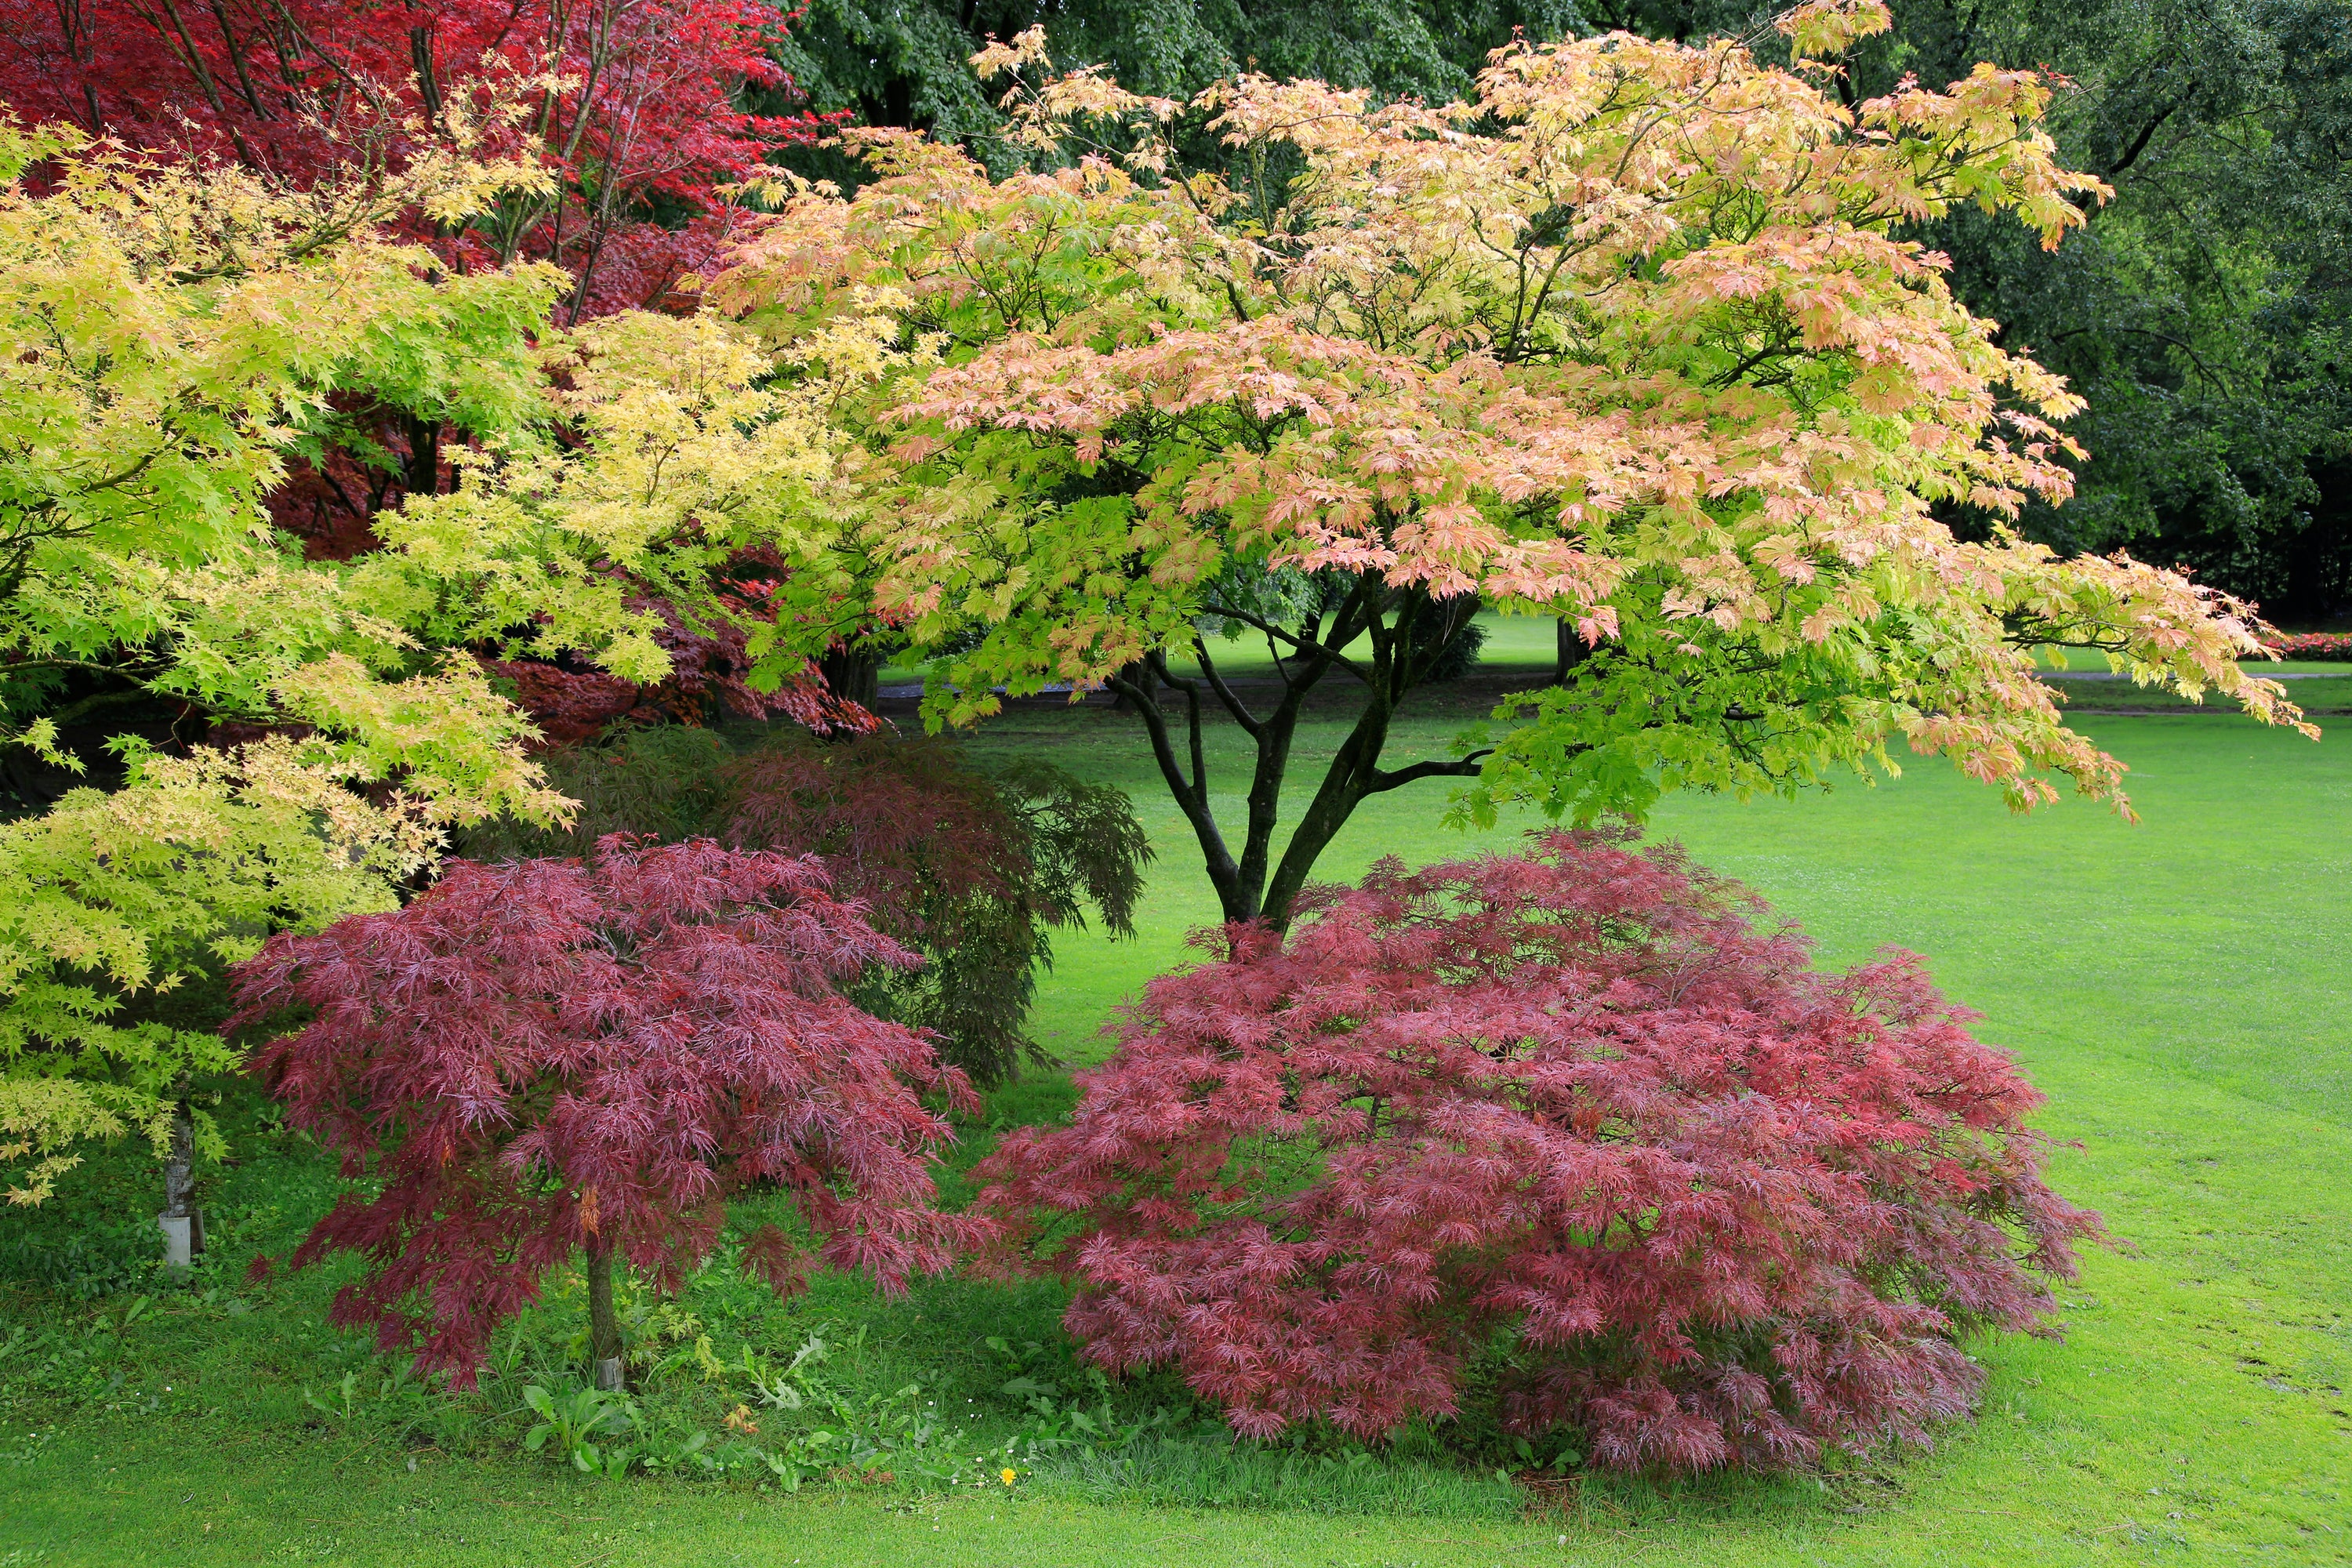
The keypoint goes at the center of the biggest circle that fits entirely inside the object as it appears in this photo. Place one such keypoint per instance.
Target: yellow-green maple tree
(170, 334)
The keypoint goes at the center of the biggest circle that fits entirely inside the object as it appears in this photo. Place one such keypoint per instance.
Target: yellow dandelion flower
(1006, 1474)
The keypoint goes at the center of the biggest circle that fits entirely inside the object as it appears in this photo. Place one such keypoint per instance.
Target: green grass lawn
(2181, 990)
(1523, 645)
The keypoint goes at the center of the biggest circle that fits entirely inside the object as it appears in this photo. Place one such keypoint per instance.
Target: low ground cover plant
(1569, 1123)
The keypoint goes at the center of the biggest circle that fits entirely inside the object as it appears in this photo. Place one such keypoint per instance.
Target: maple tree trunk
(421, 471)
(603, 1325)
(853, 675)
(184, 1236)
(1571, 651)
(1352, 775)
(1256, 887)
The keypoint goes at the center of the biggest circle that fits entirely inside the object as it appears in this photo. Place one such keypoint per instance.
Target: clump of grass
(1210, 1472)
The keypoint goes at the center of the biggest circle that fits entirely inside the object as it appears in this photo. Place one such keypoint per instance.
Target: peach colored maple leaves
(1630, 333)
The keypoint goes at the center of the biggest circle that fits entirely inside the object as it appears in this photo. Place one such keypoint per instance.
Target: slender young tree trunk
(182, 1235)
(605, 1348)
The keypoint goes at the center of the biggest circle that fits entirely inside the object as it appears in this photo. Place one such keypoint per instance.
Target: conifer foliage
(1722, 1208)
(553, 1055)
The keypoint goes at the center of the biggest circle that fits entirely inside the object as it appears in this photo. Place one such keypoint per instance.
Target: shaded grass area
(2182, 991)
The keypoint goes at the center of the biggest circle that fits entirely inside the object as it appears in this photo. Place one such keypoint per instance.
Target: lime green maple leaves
(108, 900)
(151, 394)
(174, 337)
(169, 336)
(705, 469)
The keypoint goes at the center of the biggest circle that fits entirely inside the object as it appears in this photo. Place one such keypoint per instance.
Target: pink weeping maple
(551, 1056)
(1723, 1208)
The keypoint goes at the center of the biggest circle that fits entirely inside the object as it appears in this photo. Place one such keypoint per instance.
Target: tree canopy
(178, 334)
(1723, 1208)
(171, 334)
(1635, 338)
(1650, 336)
(2199, 313)
(558, 1054)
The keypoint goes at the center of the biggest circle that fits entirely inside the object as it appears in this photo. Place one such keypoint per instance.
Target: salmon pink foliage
(557, 1054)
(1637, 336)
(1572, 1109)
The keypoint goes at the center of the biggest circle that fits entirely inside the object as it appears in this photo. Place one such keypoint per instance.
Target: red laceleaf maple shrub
(1723, 1208)
(552, 1055)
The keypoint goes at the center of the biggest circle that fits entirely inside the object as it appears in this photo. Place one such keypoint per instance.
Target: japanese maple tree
(1570, 1119)
(1631, 339)
(635, 108)
(548, 1056)
(976, 865)
(168, 333)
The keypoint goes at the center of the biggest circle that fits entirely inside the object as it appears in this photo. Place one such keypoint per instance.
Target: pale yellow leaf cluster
(694, 445)
(108, 899)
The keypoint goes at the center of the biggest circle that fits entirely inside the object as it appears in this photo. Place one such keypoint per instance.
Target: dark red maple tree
(636, 107)
(1722, 1208)
(551, 1055)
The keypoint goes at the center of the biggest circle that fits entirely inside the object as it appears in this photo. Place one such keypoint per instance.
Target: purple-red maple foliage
(905, 825)
(708, 681)
(552, 1055)
(636, 107)
(1723, 1208)
(975, 867)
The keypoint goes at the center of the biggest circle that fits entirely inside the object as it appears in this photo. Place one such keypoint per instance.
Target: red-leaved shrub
(549, 1055)
(2310, 644)
(1572, 1110)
